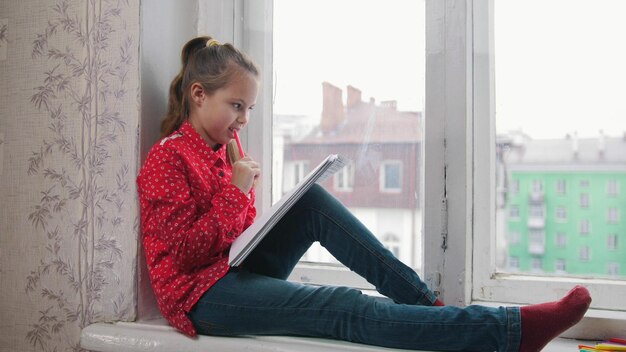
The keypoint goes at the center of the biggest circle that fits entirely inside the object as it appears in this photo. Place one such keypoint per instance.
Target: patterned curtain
(68, 161)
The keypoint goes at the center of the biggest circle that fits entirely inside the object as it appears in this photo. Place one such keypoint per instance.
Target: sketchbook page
(244, 244)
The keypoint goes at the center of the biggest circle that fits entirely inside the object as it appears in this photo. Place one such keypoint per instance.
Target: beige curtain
(68, 160)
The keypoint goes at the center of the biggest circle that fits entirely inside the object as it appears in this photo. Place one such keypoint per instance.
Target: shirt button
(230, 234)
(221, 173)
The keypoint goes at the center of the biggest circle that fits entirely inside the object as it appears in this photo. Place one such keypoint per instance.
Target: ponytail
(209, 63)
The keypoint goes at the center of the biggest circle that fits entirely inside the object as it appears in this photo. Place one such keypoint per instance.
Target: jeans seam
(353, 314)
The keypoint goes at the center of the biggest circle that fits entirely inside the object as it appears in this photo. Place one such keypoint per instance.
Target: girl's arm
(169, 212)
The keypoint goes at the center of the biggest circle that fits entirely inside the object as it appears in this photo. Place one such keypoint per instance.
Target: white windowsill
(157, 336)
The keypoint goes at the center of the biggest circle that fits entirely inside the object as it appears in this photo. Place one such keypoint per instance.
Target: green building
(564, 206)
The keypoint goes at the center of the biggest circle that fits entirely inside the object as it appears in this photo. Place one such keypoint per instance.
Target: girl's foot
(543, 322)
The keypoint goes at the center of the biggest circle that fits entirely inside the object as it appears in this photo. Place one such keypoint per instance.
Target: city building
(380, 185)
(563, 204)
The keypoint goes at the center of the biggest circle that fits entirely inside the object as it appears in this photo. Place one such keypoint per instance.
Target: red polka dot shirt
(190, 215)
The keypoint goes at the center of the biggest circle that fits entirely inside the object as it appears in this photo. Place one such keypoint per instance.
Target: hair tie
(211, 43)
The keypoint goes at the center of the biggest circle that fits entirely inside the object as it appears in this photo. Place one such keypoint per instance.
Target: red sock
(438, 303)
(543, 322)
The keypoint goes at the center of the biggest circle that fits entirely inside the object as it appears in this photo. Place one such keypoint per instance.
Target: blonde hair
(204, 61)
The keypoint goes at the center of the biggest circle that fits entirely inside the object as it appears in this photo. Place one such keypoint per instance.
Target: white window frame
(488, 285)
(301, 169)
(346, 176)
(458, 162)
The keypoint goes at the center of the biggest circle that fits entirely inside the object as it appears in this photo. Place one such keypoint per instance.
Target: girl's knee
(316, 194)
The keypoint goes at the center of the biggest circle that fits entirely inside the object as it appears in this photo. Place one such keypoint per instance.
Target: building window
(537, 186)
(392, 243)
(391, 176)
(584, 254)
(536, 265)
(612, 188)
(561, 240)
(584, 183)
(613, 215)
(344, 178)
(584, 227)
(515, 187)
(536, 211)
(560, 187)
(560, 266)
(295, 171)
(561, 214)
(536, 241)
(613, 269)
(514, 212)
(611, 243)
(584, 200)
(513, 263)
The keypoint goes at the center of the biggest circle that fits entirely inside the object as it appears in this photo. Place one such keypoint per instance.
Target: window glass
(612, 188)
(349, 80)
(391, 176)
(560, 134)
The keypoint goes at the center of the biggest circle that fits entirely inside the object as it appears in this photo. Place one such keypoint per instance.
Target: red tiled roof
(367, 122)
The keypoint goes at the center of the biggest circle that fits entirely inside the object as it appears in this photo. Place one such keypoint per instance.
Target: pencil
(241, 153)
(618, 340)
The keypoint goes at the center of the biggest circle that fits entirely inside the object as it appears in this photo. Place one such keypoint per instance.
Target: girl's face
(216, 116)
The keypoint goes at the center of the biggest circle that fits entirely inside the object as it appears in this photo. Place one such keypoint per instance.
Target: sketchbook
(250, 238)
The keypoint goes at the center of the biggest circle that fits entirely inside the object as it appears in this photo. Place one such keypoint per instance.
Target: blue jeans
(256, 299)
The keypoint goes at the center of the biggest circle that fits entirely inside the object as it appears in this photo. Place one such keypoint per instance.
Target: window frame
(458, 161)
(343, 180)
(301, 168)
(489, 285)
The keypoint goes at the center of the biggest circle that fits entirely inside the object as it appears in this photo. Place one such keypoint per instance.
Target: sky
(560, 64)
(375, 46)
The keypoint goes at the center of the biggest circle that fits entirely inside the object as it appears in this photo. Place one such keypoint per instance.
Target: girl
(195, 202)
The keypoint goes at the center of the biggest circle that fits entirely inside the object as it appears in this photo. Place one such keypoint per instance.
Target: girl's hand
(245, 172)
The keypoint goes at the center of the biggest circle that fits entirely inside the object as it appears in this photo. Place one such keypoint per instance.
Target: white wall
(166, 25)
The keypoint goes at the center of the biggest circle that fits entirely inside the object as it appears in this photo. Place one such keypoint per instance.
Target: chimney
(601, 145)
(332, 107)
(354, 97)
(575, 145)
(390, 104)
